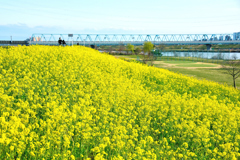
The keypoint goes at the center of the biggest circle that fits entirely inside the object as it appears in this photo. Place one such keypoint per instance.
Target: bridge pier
(208, 46)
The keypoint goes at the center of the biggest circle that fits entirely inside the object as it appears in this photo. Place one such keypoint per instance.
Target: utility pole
(70, 35)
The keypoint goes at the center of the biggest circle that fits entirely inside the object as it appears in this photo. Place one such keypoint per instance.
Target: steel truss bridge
(135, 39)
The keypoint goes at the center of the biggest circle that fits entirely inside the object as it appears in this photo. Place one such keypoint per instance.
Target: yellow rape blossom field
(78, 103)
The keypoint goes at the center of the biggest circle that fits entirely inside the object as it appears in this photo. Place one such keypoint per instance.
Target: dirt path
(218, 66)
(165, 64)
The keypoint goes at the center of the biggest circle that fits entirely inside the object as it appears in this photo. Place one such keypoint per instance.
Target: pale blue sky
(22, 18)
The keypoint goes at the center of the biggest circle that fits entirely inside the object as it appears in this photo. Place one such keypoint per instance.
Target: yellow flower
(72, 157)
(67, 102)
(32, 154)
(185, 145)
(12, 148)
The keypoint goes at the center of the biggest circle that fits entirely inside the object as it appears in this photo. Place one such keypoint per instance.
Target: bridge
(135, 39)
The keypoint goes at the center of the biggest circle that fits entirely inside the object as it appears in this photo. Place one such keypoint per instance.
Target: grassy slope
(212, 74)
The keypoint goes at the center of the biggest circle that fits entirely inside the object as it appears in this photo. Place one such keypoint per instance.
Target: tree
(110, 49)
(176, 54)
(186, 54)
(232, 68)
(156, 53)
(161, 47)
(218, 56)
(234, 56)
(137, 50)
(121, 47)
(130, 47)
(147, 47)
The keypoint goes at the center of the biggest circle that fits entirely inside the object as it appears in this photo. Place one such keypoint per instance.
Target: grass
(211, 74)
(129, 56)
(171, 59)
(184, 65)
(189, 59)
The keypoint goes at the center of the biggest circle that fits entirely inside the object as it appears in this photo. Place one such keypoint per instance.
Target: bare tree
(186, 54)
(175, 54)
(110, 49)
(232, 68)
(234, 56)
(218, 56)
(121, 47)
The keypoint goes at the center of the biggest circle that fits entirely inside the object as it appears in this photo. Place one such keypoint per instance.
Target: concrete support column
(208, 46)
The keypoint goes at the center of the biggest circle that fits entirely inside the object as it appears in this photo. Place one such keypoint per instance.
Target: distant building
(236, 36)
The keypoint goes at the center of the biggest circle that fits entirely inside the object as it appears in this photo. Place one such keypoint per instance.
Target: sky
(21, 19)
